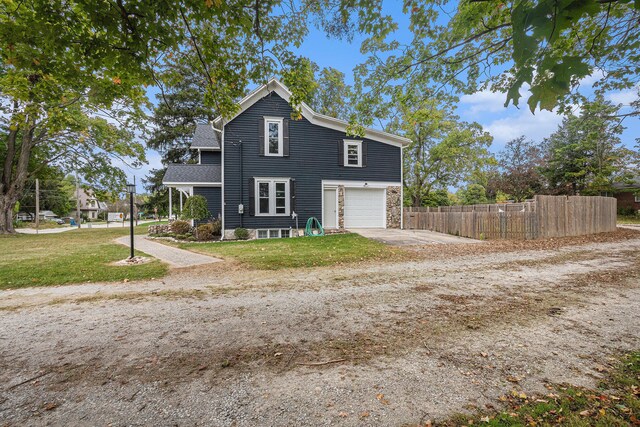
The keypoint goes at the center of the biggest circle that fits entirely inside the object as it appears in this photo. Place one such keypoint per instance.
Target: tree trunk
(14, 179)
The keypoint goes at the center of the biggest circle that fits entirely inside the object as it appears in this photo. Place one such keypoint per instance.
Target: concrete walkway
(45, 230)
(397, 237)
(173, 256)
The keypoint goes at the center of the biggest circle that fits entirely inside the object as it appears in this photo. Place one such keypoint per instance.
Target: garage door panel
(364, 208)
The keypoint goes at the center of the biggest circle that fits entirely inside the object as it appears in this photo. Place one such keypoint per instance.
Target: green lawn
(628, 219)
(616, 402)
(273, 254)
(69, 257)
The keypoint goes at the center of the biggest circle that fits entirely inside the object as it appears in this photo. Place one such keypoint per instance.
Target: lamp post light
(131, 189)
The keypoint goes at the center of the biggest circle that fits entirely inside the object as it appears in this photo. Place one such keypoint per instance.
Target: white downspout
(222, 204)
(402, 187)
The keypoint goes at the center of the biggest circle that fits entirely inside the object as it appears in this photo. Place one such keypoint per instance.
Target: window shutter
(340, 153)
(292, 194)
(285, 137)
(364, 154)
(261, 135)
(252, 196)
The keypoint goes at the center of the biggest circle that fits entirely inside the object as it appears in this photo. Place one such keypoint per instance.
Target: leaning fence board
(544, 217)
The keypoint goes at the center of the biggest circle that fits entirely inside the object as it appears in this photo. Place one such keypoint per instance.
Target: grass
(616, 402)
(70, 257)
(274, 254)
(628, 219)
(42, 225)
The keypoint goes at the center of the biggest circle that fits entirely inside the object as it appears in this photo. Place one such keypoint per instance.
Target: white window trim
(347, 143)
(637, 198)
(272, 196)
(280, 121)
(268, 230)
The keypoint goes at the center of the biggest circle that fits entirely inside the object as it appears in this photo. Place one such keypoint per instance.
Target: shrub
(195, 208)
(205, 232)
(241, 233)
(626, 211)
(216, 226)
(180, 227)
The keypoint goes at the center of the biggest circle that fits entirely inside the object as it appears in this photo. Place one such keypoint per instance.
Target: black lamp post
(131, 189)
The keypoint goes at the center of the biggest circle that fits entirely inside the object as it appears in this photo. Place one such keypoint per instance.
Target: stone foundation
(394, 206)
(341, 207)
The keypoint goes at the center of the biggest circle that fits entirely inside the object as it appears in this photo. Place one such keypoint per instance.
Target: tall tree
(444, 150)
(519, 164)
(585, 154)
(332, 95)
(73, 74)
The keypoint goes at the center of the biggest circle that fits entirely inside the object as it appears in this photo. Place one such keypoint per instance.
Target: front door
(329, 214)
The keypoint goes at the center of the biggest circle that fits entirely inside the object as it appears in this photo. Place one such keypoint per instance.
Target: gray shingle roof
(205, 137)
(177, 173)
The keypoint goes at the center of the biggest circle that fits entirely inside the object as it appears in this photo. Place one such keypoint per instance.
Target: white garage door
(364, 208)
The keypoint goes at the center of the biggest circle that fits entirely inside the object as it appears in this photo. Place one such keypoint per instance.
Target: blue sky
(484, 107)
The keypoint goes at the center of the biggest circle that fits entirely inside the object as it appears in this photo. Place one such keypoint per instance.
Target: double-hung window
(273, 137)
(353, 153)
(272, 196)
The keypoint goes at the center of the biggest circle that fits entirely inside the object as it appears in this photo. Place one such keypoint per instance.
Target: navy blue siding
(210, 157)
(214, 198)
(313, 157)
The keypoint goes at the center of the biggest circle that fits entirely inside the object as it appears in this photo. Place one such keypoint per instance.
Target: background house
(90, 206)
(628, 195)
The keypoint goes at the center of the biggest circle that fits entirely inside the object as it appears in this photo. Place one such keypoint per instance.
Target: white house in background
(90, 206)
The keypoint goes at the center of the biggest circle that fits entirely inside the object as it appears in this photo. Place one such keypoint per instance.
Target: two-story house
(263, 171)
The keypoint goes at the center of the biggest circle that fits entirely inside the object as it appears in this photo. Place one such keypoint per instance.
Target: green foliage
(241, 233)
(179, 227)
(585, 155)
(502, 197)
(473, 194)
(55, 194)
(519, 169)
(444, 150)
(196, 208)
(543, 46)
(332, 96)
(437, 198)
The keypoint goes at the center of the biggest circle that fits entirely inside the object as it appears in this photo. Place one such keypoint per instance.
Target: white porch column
(180, 202)
(170, 205)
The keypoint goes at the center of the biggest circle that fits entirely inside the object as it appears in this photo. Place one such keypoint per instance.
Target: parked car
(59, 221)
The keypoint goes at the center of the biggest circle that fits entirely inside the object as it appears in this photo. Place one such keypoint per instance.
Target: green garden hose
(308, 231)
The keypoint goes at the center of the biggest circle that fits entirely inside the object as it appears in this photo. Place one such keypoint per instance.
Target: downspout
(222, 204)
(402, 187)
(241, 185)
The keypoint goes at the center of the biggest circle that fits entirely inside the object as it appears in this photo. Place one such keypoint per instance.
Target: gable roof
(192, 174)
(205, 138)
(274, 85)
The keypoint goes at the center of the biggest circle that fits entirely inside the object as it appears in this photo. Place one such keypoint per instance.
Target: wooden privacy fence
(543, 217)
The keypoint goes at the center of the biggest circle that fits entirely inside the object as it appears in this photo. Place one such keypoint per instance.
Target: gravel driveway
(370, 344)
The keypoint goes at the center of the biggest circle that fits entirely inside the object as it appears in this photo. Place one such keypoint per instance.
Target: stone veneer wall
(394, 206)
(341, 207)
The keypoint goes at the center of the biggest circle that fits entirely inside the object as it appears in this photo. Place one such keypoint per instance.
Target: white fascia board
(313, 117)
(196, 184)
(195, 147)
(359, 184)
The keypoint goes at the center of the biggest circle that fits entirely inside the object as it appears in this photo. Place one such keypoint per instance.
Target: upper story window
(353, 153)
(272, 196)
(273, 137)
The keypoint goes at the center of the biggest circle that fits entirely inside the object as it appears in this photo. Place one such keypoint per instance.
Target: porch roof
(192, 174)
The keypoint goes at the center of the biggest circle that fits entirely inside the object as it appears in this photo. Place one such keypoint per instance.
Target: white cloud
(535, 127)
(484, 102)
(624, 97)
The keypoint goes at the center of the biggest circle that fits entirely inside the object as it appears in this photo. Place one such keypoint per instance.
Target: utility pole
(37, 205)
(77, 200)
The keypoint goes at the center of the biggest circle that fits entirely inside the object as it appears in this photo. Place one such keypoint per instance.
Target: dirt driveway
(373, 344)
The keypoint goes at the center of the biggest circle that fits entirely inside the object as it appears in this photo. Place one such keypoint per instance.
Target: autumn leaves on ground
(507, 333)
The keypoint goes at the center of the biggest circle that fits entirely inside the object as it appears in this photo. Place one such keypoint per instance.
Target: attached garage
(365, 208)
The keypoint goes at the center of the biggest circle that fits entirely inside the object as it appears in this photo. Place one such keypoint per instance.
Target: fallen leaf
(364, 414)
(381, 398)
(343, 414)
(585, 413)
